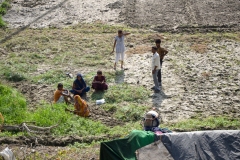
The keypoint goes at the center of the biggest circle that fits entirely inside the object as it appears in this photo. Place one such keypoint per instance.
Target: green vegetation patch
(130, 112)
(12, 105)
(4, 6)
(209, 123)
(50, 77)
(13, 76)
(82, 127)
(125, 92)
(2, 23)
(13, 108)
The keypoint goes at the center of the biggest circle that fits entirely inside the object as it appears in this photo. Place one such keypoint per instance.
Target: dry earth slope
(164, 15)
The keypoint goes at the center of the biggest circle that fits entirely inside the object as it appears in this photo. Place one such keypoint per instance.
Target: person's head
(99, 73)
(120, 33)
(79, 77)
(60, 86)
(158, 42)
(76, 97)
(154, 49)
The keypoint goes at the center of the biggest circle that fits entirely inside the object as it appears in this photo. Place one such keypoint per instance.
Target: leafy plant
(12, 105)
(3, 11)
(15, 77)
(5, 4)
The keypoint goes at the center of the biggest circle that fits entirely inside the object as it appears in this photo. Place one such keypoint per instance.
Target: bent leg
(84, 92)
(105, 86)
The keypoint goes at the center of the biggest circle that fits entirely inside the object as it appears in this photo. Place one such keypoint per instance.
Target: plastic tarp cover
(125, 148)
(204, 145)
(154, 151)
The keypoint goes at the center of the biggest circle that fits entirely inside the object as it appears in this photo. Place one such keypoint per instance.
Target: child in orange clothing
(61, 95)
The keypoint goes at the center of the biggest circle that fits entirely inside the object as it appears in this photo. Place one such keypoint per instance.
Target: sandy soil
(168, 15)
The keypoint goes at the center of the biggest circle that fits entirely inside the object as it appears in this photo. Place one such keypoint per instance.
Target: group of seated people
(79, 90)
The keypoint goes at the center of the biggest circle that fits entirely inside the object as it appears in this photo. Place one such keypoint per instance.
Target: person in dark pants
(162, 52)
(155, 69)
(79, 86)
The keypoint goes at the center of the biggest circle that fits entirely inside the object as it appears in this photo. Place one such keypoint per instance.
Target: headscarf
(81, 107)
(80, 84)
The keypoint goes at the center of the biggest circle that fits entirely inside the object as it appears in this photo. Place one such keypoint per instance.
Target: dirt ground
(197, 78)
(167, 15)
(189, 86)
(193, 83)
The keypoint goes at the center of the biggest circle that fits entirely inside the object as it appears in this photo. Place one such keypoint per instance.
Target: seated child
(61, 95)
(99, 82)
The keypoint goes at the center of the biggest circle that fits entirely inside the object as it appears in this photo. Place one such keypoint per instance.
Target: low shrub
(12, 105)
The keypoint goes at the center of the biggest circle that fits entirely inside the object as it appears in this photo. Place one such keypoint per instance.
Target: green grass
(50, 77)
(14, 109)
(125, 92)
(4, 6)
(130, 112)
(13, 76)
(12, 105)
(209, 123)
(2, 23)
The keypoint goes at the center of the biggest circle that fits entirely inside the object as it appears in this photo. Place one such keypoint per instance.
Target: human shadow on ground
(120, 75)
(96, 95)
(158, 98)
(25, 27)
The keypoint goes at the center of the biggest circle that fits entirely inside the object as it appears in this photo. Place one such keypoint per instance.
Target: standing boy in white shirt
(155, 69)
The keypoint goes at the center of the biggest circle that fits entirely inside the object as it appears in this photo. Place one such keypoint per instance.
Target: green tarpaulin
(125, 148)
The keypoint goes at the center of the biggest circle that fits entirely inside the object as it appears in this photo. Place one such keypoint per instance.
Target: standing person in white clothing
(120, 47)
(155, 69)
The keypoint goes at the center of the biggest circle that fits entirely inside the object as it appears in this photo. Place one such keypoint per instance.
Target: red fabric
(99, 86)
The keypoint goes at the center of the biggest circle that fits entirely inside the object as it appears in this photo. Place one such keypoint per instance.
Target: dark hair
(155, 48)
(99, 72)
(158, 41)
(60, 85)
(120, 31)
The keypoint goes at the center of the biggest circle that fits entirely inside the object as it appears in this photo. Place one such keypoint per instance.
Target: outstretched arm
(127, 33)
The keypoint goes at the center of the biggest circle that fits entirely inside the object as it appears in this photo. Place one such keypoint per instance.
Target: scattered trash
(100, 101)
(69, 75)
(7, 154)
